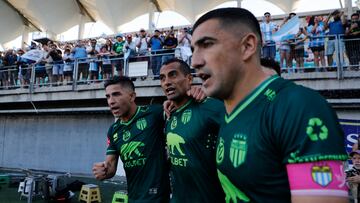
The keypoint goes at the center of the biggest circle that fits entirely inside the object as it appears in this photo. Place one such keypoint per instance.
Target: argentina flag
(289, 28)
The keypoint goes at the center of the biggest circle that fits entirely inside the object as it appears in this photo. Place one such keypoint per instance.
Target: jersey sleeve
(305, 127)
(111, 147)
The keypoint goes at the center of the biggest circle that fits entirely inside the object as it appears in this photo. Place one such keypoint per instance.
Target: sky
(167, 18)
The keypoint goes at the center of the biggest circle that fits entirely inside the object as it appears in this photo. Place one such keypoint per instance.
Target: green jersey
(118, 47)
(140, 143)
(279, 123)
(191, 134)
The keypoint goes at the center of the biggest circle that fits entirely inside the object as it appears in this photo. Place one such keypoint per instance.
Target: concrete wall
(66, 143)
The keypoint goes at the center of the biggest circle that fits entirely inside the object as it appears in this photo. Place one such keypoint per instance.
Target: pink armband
(322, 178)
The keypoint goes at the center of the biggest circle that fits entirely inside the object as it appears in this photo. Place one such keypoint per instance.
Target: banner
(351, 130)
(34, 54)
(291, 27)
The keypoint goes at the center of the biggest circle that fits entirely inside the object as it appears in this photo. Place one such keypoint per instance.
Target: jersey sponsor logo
(173, 123)
(131, 154)
(173, 142)
(233, 194)
(186, 116)
(316, 130)
(115, 137)
(270, 94)
(141, 124)
(321, 175)
(131, 149)
(238, 150)
(126, 135)
(220, 152)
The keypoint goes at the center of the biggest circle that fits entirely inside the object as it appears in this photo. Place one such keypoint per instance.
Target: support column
(81, 27)
(151, 17)
(239, 3)
(25, 37)
(348, 8)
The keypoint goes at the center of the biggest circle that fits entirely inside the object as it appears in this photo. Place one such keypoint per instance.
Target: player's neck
(131, 113)
(181, 101)
(243, 87)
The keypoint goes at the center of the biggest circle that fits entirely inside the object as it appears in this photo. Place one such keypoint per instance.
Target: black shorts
(107, 68)
(318, 49)
(68, 73)
(299, 52)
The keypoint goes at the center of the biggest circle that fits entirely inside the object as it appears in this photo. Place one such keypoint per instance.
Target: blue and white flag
(289, 28)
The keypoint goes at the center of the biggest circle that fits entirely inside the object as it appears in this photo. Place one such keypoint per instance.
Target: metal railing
(326, 53)
(84, 71)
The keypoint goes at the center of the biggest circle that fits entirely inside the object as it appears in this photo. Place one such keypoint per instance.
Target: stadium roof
(57, 16)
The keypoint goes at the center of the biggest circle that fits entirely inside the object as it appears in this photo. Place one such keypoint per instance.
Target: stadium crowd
(314, 45)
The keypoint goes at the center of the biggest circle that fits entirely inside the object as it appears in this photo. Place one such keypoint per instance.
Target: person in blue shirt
(336, 29)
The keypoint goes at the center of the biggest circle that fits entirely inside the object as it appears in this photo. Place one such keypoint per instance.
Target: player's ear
(133, 96)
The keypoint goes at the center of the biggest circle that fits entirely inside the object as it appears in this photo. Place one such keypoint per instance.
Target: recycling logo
(316, 130)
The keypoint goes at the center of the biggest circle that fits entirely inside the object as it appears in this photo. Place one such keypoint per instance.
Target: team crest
(141, 124)
(321, 175)
(186, 116)
(126, 135)
(115, 137)
(238, 150)
(220, 152)
(173, 123)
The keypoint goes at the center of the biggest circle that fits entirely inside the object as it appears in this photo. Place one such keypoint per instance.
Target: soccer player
(138, 138)
(280, 142)
(191, 133)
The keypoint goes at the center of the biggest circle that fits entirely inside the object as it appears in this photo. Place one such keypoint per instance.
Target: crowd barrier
(85, 71)
(315, 54)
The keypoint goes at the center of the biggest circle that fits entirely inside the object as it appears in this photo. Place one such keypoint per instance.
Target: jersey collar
(250, 98)
(133, 117)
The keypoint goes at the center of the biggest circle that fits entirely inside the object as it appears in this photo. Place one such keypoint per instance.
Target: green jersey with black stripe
(279, 123)
(140, 143)
(191, 135)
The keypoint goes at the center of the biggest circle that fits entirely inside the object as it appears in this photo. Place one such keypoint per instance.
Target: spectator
(267, 29)
(352, 41)
(156, 44)
(170, 44)
(58, 64)
(142, 43)
(184, 40)
(353, 175)
(300, 38)
(68, 66)
(24, 69)
(93, 64)
(287, 47)
(10, 76)
(117, 51)
(336, 29)
(316, 32)
(106, 69)
(80, 55)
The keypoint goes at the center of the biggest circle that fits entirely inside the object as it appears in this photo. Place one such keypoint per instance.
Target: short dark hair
(267, 13)
(355, 14)
(121, 80)
(271, 64)
(184, 67)
(231, 16)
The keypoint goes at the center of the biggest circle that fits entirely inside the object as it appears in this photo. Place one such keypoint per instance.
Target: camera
(351, 173)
